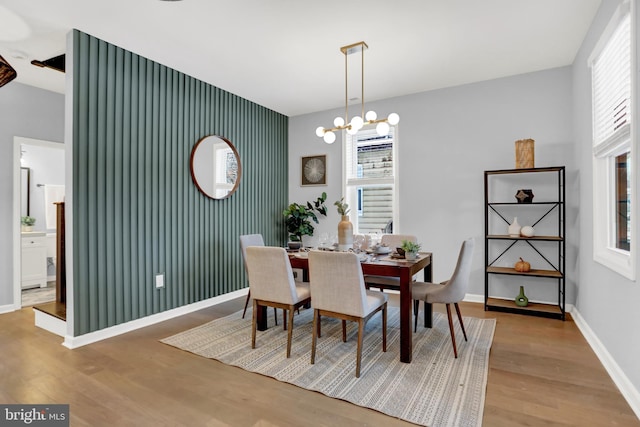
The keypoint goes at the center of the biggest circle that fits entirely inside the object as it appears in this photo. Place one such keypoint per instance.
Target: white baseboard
(50, 323)
(79, 341)
(630, 393)
(7, 308)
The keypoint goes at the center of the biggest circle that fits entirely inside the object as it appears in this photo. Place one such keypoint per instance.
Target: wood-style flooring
(542, 372)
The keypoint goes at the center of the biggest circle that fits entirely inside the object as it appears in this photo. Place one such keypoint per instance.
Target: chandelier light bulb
(351, 130)
(393, 119)
(338, 121)
(382, 128)
(320, 131)
(329, 137)
(371, 116)
(357, 123)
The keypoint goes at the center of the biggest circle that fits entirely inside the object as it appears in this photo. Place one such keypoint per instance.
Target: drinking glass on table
(323, 240)
(358, 241)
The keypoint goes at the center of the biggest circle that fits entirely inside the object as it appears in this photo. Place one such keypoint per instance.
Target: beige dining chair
(272, 284)
(247, 240)
(450, 292)
(392, 241)
(338, 291)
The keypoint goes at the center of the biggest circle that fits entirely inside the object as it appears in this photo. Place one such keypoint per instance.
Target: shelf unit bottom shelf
(533, 309)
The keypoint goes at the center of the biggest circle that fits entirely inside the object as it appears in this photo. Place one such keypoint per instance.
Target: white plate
(301, 255)
(383, 250)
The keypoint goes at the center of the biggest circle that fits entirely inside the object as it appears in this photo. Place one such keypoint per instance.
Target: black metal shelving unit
(553, 209)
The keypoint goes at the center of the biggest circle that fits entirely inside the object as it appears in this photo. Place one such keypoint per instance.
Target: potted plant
(410, 249)
(27, 223)
(298, 218)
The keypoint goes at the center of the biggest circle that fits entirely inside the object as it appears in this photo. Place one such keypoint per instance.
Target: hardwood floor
(542, 373)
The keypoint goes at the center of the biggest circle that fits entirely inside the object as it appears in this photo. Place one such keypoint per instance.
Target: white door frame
(18, 141)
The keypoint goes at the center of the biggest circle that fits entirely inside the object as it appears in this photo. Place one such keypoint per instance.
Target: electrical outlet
(159, 280)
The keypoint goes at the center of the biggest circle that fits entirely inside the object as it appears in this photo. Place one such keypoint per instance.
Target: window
(613, 153)
(370, 179)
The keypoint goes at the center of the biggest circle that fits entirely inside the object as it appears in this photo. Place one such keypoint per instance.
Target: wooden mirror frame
(193, 174)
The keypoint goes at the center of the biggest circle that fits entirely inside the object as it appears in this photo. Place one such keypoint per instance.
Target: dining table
(382, 265)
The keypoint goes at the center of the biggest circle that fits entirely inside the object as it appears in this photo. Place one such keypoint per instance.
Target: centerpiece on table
(410, 249)
(345, 228)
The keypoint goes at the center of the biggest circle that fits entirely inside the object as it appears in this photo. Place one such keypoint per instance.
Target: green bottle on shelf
(521, 299)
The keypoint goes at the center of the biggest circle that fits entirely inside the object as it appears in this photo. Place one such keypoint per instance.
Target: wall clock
(314, 170)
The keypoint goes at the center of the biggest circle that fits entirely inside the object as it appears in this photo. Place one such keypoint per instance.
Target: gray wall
(447, 139)
(606, 300)
(32, 113)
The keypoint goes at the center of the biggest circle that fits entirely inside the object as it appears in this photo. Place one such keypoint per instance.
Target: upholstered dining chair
(450, 292)
(392, 241)
(247, 240)
(338, 291)
(272, 284)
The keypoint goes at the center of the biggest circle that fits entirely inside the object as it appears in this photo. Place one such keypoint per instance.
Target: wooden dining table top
(385, 265)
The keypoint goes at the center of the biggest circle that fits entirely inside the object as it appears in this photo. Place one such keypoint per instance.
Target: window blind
(611, 80)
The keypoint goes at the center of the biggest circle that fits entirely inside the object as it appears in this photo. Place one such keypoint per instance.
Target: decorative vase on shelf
(524, 196)
(521, 299)
(345, 234)
(514, 228)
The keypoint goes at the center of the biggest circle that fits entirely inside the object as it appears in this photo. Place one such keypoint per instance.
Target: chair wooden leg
(246, 303)
(314, 336)
(275, 315)
(254, 322)
(344, 330)
(453, 336)
(290, 332)
(319, 326)
(460, 319)
(384, 327)
(416, 309)
(359, 354)
(284, 320)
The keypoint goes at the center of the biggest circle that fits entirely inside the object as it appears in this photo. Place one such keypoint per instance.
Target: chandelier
(357, 122)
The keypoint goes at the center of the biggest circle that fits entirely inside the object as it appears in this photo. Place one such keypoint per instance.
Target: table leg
(428, 308)
(406, 333)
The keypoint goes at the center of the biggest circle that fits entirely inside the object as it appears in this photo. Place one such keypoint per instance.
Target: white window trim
(354, 217)
(604, 250)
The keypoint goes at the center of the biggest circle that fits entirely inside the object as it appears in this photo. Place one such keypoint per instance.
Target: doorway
(39, 177)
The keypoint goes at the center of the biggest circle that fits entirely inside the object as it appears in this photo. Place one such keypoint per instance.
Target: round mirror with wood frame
(215, 167)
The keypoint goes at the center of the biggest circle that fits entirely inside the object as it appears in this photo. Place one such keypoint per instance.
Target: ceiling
(285, 54)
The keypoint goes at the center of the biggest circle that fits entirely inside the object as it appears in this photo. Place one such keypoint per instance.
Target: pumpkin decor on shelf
(522, 266)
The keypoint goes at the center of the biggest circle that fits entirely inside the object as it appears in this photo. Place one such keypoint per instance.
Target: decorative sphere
(527, 231)
(338, 121)
(371, 115)
(329, 137)
(320, 131)
(382, 128)
(357, 123)
(394, 119)
(351, 130)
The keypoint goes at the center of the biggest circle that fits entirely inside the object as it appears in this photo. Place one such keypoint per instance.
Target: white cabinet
(34, 260)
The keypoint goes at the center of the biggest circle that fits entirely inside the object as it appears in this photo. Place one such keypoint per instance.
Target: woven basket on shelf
(525, 154)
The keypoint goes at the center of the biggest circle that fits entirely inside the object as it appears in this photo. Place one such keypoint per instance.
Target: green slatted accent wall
(136, 211)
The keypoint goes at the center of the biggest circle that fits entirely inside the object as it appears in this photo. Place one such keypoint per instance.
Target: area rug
(434, 390)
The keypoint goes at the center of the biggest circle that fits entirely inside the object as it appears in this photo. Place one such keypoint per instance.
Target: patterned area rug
(434, 390)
